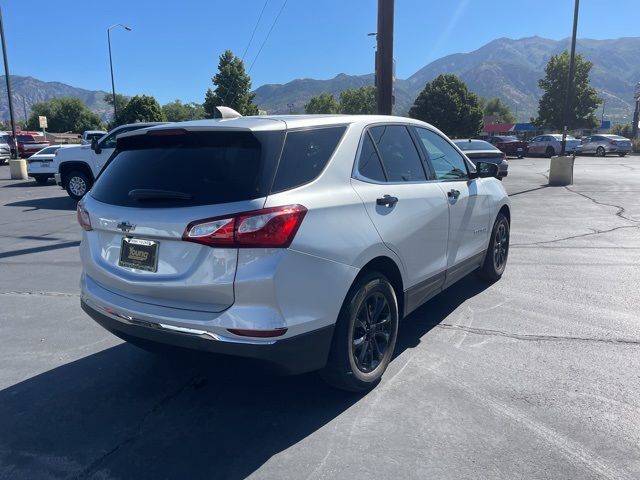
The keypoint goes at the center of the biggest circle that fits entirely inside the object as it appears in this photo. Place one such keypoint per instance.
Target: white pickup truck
(77, 167)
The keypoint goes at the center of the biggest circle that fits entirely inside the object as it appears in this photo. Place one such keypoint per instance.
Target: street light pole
(568, 101)
(6, 75)
(113, 85)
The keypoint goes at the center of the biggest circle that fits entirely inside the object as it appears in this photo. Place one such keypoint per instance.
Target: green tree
(622, 129)
(499, 110)
(554, 85)
(358, 101)
(65, 114)
(232, 87)
(177, 111)
(120, 99)
(323, 103)
(449, 105)
(141, 108)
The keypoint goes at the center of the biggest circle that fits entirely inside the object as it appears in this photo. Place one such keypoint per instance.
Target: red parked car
(30, 143)
(510, 145)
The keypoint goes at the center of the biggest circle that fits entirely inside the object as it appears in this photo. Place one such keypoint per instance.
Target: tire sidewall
(501, 220)
(379, 285)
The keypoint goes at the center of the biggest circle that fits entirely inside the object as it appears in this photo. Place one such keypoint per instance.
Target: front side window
(447, 162)
(400, 158)
(110, 140)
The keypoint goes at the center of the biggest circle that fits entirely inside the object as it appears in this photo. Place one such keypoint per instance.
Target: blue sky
(173, 49)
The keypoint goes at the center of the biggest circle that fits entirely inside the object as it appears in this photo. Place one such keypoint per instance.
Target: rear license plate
(139, 253)
(46, 164)
(520, 149)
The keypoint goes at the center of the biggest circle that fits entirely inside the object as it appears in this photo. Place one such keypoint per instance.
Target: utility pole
(568, 101)
(604, 101)
(6, 75)
(636, 114)
(384, 58)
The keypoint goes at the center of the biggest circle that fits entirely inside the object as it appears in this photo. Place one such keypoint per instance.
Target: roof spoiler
(226, 112)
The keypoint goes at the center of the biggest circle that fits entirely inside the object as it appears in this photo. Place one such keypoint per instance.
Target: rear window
(48, 150)
(474, 145)
(305, 154)
(203, 168)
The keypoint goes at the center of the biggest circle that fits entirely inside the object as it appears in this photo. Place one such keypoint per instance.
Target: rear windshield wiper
(151, 194)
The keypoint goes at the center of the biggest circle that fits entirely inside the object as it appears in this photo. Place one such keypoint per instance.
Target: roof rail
(226, 112)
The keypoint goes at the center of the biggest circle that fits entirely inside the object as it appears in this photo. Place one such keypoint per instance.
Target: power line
(267, 37)
(255, 28)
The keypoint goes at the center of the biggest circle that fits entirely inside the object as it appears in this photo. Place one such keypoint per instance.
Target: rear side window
(195, 168)
(369, 164)
(399, 155)
(305, 154)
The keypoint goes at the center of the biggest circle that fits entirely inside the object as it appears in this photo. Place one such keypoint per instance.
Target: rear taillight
(612, 142)
(83, 218)
(267, 228)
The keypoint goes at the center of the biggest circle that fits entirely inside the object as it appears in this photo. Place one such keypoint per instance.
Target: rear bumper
(302, 353)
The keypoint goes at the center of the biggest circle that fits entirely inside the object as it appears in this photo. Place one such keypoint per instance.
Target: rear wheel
(365, 335)
(550, 152)
(495, 260)
(601, 152)
(41, 179)
(77, 185)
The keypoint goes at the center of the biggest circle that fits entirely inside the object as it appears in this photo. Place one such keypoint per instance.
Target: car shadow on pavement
(125, 413)
(50, 203)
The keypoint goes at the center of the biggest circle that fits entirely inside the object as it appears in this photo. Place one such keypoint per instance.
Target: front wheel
(77, 185)
(601, 152)
(365, 335)
(495, 260)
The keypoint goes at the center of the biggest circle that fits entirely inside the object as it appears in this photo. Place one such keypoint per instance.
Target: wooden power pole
(384, 57)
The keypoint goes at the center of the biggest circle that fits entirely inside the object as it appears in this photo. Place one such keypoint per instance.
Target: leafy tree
(177, 111)
(622, 129)
(65, 114)
(449, 105)
(120, 99)
(323, 103)
(141, 108)
(358, 101)
(499, 110)
(232, 87)
(554, 84)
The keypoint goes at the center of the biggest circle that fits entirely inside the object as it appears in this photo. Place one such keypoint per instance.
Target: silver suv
(301, 241)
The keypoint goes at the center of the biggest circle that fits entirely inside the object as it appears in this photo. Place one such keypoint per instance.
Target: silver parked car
(301, 241)
(602, 144)
(550, 145)
(479, 150)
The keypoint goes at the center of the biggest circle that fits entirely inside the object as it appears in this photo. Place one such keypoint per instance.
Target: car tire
(497, 254)
(622, 154)
(362, 345)
(41, 179)
(601, 152)
(550, 152)
(77, 184)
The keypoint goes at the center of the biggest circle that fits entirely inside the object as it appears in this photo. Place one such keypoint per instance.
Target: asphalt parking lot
(535, 376)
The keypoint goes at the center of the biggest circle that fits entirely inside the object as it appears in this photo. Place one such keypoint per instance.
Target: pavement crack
(620, 213)
(136, 432)
(537, 338)
(40, 294)
(571, 237)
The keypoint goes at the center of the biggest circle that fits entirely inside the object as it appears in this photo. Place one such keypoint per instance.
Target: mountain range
(504, 68)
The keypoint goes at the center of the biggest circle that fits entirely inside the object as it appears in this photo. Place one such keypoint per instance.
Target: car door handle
(453, 193)
(387, 201)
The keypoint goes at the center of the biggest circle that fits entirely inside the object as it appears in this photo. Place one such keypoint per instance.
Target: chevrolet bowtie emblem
(125, 226)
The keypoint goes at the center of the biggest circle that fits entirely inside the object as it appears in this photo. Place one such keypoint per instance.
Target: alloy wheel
(77, 186)
(500, 246)
(371, 332)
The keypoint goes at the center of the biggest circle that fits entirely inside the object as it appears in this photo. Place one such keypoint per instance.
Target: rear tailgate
(149, 193)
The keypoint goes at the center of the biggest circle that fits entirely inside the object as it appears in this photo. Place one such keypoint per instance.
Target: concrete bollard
(18, 169)
(561, 171)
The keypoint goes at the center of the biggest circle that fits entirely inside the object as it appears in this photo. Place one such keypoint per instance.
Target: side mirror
(94, 145)
(486, 169)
